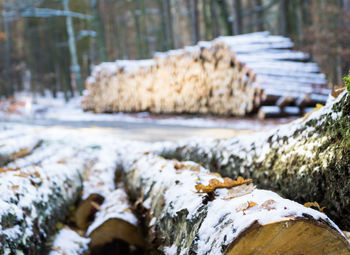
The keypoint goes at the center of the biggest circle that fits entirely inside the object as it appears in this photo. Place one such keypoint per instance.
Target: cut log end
(114, 230)
(86, 211)
(297, 236)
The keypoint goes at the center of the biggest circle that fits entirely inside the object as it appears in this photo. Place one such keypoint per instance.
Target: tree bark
(214, 19)
(185, 217)
(259, 16)
(224, 15)
(283, 17)
(195, 33)
(306, 160)
(237, 17)
(75, 68)
(98, 28)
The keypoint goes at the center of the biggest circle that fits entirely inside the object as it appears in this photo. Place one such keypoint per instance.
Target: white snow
(69, 242)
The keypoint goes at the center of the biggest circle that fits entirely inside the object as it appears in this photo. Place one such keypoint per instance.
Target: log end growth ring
(291, 237)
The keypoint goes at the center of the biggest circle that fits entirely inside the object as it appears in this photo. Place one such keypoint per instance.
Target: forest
(151, 127)
(48, 44)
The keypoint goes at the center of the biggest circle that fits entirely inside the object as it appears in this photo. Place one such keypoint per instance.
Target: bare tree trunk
(75, 68)
(97, 27)
(283, 15)
(195, 33)
(214, 19)
(136, 19)
(169, 22)
(224, 15)
(237, 17)
(206, 18)
(144, 25)
(259, 16)
(8, 84)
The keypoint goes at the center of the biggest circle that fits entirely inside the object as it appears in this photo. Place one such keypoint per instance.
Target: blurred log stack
(232, 75)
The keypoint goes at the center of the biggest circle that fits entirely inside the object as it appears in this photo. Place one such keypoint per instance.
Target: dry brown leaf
(4, 170)
(216, 184)
(178, 165)
(240, 191)
(14, 187)
(268, 205)
(337, 91)
(245, 206)
(316, 205)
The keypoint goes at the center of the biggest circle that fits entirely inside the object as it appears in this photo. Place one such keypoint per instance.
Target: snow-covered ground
(56, 109)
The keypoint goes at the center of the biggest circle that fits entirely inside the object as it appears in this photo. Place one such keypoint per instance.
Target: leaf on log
(316, 205)
(216, 184)
(337, 91)
(239, 191)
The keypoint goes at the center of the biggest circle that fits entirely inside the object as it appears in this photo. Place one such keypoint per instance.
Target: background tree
(36, 48)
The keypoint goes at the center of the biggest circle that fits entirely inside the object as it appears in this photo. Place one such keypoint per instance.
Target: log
(48, 152)
(306, 160)
(68, 241)
(32, 200)
(98, 183)
(18, 147)
(115, 226)
(190, 210)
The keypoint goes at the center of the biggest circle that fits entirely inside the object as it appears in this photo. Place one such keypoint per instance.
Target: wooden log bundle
(232, 75)
(190, 210)
(306, 160)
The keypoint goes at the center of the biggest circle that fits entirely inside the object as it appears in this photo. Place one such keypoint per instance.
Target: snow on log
(17, 147)
(231, 75)
(115, 225)
(98, 183)
(32, 200)
(48, 152)
(69, 242)
(190, 210)
(306, 160)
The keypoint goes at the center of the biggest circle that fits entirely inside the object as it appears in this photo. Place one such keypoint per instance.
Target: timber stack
(231, 75)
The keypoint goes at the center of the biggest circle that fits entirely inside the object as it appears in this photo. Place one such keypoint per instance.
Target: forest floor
(47, 111)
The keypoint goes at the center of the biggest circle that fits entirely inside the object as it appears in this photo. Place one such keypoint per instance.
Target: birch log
(98, 183)
(306, 160)
(193, 211)
(32, 200)
(18, 147)
(115, 226)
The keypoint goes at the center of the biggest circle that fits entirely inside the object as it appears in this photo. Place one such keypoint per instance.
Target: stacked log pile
(234, 75)
(306, 160)
(190, 210)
